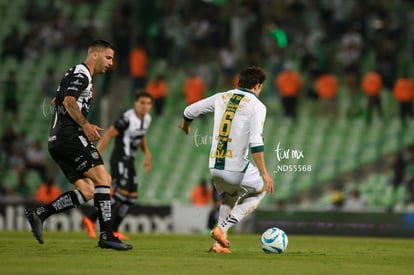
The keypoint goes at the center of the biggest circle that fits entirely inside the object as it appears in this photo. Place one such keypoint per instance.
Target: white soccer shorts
(249, 182)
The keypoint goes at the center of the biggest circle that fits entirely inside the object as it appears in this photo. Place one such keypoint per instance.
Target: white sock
(223, 212)
(240, 211)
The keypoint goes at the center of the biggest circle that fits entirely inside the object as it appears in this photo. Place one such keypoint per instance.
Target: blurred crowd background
(339, 88)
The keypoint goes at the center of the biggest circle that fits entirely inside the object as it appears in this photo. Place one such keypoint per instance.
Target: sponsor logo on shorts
(95, 155)
(82, 165)
(83, 140)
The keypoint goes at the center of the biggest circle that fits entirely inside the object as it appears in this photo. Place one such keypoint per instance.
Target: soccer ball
(274, 240)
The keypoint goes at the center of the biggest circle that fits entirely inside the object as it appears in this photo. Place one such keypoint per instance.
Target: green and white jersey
(239, 118)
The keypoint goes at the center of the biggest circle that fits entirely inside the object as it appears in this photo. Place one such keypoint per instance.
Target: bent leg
(241, 210)
(67, 200)
(245, 201)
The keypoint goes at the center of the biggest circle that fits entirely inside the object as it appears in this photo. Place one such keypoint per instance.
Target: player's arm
(148, 157)
(195, 110)
(257, 146)
(75, 85)
(91, 131)
(106, 138)
(261, 165)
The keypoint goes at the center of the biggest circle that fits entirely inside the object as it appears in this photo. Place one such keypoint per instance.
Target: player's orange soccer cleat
(217, 248)
(220, 236)
(89, 227)
(120, 236)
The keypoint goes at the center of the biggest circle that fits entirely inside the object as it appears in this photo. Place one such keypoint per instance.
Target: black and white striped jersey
(131, 131)
(76, 82)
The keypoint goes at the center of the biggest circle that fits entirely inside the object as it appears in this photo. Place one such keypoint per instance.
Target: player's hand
(185, 126)
(269, 184)
(92, 131)
(148, 165)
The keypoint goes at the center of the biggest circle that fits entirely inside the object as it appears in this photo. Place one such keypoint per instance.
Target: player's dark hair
(251, 76)
(143, 93)
(100, 43)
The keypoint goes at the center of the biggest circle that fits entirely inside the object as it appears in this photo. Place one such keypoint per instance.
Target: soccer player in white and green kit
(239, 117)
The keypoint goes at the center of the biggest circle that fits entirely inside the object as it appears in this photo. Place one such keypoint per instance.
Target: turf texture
(75, 253)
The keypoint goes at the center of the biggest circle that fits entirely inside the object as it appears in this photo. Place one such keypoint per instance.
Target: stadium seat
(331, 148)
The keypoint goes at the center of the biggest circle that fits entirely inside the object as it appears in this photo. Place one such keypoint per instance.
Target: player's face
(143, 105)
(104, 61)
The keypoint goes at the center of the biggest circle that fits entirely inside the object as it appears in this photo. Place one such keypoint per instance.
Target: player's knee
(103, 179)
(86, 188)
(260, 196)
(99, 176)
(87, 193)
(107, 179)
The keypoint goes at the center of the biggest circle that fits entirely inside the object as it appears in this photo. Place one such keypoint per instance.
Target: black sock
(66, 201)
(119, 213)
(120, 207)
(102, 202)
(94, 216)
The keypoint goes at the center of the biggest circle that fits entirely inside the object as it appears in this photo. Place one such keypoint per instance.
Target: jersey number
(226, 123)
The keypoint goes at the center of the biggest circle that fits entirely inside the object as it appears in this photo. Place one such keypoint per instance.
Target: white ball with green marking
(274, 240)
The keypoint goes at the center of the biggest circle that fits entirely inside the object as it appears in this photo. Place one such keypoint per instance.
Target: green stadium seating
(331, 148)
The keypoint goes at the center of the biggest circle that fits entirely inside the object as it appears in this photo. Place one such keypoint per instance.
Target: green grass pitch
(75, 253)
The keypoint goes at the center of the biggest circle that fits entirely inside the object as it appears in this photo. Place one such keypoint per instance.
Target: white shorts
(230, 182)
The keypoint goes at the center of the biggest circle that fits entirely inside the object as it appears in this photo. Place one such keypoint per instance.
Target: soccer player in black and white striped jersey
(71, 146)
(129, 132)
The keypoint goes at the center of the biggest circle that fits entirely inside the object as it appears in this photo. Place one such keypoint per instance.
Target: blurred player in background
(239, 118)
(71, 146)
(129, 131)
